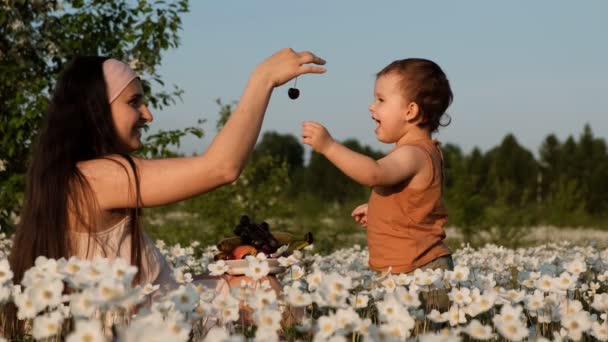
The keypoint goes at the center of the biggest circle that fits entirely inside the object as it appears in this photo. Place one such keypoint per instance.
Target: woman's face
(130, 114)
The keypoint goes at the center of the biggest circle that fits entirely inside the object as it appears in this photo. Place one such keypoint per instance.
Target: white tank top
(116, 242)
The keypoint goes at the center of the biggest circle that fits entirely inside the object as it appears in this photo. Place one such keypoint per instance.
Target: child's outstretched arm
(399, 165)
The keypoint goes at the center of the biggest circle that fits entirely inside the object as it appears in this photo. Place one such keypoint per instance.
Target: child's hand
(315, 135)
(360, 214)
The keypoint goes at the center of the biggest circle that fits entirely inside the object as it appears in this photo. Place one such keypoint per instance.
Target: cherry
(293, 93)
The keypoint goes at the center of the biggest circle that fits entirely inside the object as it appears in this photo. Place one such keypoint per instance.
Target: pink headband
(118, 75)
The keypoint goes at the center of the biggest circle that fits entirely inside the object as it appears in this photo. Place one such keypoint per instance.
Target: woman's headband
(118, 75)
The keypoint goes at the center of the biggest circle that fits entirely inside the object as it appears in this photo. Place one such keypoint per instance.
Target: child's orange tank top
(405, 224)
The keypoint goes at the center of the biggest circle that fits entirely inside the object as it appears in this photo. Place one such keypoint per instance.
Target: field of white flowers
(550, 292)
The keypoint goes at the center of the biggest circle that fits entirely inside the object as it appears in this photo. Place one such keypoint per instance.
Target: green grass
(330, 223)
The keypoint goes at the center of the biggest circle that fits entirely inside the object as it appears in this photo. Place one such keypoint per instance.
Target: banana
(295, 243)
(284, 238)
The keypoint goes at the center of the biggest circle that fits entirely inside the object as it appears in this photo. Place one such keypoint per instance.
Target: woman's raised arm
(163, 181)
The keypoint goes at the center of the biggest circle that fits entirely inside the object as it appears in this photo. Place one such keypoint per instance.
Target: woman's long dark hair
(78, 127)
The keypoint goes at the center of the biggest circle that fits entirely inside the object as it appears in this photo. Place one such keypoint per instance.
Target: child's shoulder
(424, 146)
(414, 149)
(407, 156)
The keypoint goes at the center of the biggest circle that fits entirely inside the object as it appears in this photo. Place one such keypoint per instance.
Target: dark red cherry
(293, 93)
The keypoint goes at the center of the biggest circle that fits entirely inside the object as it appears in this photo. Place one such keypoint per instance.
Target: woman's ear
(412, 112)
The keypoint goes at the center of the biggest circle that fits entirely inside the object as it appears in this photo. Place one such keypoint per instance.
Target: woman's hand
(317, 136)
(360, 214)
(286, 64)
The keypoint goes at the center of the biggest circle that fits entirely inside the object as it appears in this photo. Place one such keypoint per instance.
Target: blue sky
(530, 68)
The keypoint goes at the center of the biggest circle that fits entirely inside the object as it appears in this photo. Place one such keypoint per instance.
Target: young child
(405, 214)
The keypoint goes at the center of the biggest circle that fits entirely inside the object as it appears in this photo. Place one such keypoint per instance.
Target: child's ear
(412, 112)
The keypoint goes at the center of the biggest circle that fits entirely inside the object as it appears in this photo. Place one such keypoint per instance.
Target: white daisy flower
(570, 307)
(47, 325)
(410, 299)
(545, 283)
(565, 281)
(314, 280)
(217, 334)
(390, 309)
(394, 331)
(437, 317)
(297, 298)
(48, 294)
(266, 335)
(337, 284)
(326, 327)
(177, 329)
(123, 270)
(515, 296)
(5, 272)
(223, 301)
(204, 309)
(229, 314)
(359, 300)
(364, 327)
(5, 294)
(27, 308)
(576, 266)
(460, 273)
(86, 331)
(479, 331)
(288, 261)
(268, 319)
(600, 302)
(257, 269)
(508, 314)
(403, 279)
(599, 330)
(460, 296)
(426, 278)
(149, 288)
(444, 335)
(347, 320)
(110, 291)
(535, 301)
(218, 268)
(296, 272)
(512, 330)
(389, 284)
(185, 298)
(82, 305)
(456, 315)
(48, 266)
(576, 324)
(263, 299)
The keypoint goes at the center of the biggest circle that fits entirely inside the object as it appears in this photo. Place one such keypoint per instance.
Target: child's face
(389, 109)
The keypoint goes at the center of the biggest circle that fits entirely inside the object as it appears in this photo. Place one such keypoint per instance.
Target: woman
(84, 190)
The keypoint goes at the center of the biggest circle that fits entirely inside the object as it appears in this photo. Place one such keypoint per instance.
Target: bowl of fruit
(253, 238)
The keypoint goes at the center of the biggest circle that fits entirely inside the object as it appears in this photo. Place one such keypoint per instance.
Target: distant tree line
(505, 186)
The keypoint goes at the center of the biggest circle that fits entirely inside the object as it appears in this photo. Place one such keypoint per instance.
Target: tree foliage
(38, 37)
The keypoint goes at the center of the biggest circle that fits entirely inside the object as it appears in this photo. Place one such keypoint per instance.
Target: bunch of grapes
(256, 235)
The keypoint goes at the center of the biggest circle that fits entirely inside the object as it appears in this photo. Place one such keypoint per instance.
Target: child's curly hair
(424, 83)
